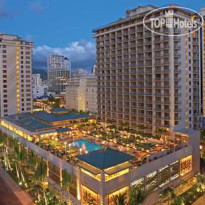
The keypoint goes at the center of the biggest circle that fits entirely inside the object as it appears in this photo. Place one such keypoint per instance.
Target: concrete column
(47, 169)
(61, 177)
(103, 200)
(78, 178)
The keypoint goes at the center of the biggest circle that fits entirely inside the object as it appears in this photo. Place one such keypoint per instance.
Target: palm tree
(41, 177)
(4, 151)
(32, 161)
(89, 200)
(67, 182)
(133, 196)
(120, 199)
(136, 195)
(200, 179)
(19, 157)
(2, 140)
(178, 200)
(168, 193)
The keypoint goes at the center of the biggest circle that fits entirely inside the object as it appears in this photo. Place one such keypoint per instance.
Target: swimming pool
(84, 144)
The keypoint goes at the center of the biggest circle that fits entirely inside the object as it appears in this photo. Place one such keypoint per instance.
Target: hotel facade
(148, 79)
(143, 79)
(15, 72)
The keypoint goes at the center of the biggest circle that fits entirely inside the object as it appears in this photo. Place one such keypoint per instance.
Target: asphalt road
(7, 197)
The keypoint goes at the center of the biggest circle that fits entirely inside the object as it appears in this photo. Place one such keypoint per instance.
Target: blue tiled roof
(38, 121)
(105, 158)
(27, 121)
(59, 110)
(51, 117)
(63, 130)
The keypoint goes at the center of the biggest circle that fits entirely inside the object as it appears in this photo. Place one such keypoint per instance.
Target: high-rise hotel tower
(15, 75)
(202, 49)
(145, 78)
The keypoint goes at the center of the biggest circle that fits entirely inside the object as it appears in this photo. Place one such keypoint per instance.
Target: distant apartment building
(79, 73)
(59, 68)
(15, 74)
(38, 88)
(145, 78)
(81, 94)
(36, 80)
(39, 91)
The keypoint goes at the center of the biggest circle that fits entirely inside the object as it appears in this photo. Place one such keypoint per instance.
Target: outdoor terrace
(88, 137)
(81, 138)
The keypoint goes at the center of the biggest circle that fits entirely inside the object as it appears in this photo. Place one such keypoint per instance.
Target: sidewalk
(22, 196)
(200, 201)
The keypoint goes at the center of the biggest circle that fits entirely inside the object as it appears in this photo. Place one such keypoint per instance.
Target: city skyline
(74, 38)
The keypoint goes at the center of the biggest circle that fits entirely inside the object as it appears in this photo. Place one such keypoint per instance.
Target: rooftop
(63, 130)
(59, 110)
(51, 117)
(105, 158)
(28, 122)
(40, 121)
(138, 12)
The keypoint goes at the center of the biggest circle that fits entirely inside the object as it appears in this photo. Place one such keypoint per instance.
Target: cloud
(81, 53)
(38, 6)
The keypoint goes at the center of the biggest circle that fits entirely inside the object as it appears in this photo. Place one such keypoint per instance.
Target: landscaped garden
(30, 172)
(186, 194)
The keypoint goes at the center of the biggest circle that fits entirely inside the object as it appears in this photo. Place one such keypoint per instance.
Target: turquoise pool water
(84, 144)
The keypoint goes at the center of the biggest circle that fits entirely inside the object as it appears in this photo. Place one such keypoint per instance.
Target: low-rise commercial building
(100, 172)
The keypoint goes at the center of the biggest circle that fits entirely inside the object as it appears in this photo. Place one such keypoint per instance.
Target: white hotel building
(15, 75)
(145, 78)
(81, 94)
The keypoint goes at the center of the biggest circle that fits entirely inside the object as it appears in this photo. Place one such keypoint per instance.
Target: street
(7, 197)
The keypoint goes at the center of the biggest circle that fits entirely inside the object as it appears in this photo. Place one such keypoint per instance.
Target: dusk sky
(65, 26)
